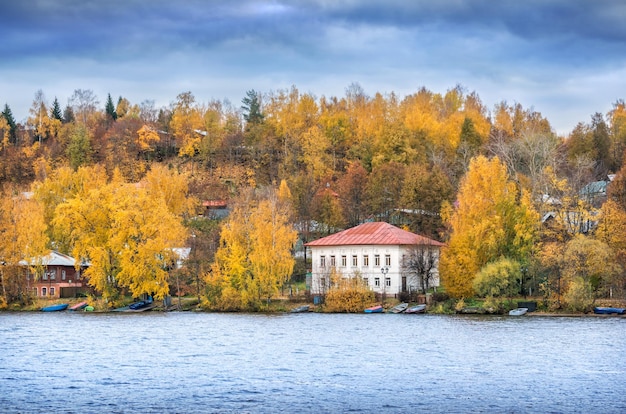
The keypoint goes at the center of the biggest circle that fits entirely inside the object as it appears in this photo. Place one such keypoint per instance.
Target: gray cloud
(535, 52)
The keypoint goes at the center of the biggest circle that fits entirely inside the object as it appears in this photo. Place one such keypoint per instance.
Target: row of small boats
(598, 310)
(84, 306)
(400, 308)
(57, 307)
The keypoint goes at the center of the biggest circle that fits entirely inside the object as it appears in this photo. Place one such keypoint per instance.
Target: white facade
(380, 266)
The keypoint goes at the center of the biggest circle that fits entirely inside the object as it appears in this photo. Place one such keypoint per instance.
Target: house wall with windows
(373, 251)
(59, 279)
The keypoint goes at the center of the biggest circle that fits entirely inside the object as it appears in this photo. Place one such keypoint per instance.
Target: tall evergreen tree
(55, 112)
(110, 108)
(8, 116)
(252, 107)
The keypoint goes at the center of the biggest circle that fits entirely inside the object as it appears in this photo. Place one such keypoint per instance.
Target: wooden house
(59, 278)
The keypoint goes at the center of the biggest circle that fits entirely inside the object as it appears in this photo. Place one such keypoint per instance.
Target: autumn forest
(118, 184)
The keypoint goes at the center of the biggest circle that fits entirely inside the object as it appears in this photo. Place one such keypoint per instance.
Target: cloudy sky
(564, 58)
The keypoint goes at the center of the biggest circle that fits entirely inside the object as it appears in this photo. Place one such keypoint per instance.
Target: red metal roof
(214, 204)
(378, 233)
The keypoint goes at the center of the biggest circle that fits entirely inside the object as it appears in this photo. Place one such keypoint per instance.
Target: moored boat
(399, 308)
(300, 309)
(374, 309)
(600, 310)
(416, 309)
(55, 308)
(518, 311)
(78, 306)
(139, 305)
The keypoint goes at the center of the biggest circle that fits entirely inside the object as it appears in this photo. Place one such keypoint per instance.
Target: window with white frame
(51, 291)
(322, 261)
(366, 261)
(377, 260)
(355, 260)
(44, 291)
(387, 281)
(344, 261)
(333, 263)
(63, 274)
(366, 281)
(387, 260)
(376, 281)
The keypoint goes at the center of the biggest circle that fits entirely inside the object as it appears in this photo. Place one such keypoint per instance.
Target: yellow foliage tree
(492, 220)
(254, 258)
(146, 138)
(172, 187)
(143, 233)
(272, 239)
(589, 267)
(22, 237)
(186, 125)
(125, 233)
(347, 294)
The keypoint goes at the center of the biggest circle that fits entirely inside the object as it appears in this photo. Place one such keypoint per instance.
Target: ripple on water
(188, 362)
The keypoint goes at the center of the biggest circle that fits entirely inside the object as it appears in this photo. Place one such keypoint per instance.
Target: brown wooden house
(59, 279)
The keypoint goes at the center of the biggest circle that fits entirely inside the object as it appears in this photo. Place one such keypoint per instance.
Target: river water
(298, 363)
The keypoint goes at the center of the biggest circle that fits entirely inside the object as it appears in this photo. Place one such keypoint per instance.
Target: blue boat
(140, 305)
(374, 309)
(55, 308)
(608, 311)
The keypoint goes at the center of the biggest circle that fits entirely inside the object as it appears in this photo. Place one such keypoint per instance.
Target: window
(53, 275)
(366, 261)
(51, 291)
(366, 281)
(376, 281)
(332, 261)
(355, 261)
(344, 261)
(44, 291)
(377, 260)
(63, 274)
(387, 281)
(322, 261)
(35, 292)
(387, 260)
(45, 276)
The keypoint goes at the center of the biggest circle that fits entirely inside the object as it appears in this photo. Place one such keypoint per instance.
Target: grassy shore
(286, 304)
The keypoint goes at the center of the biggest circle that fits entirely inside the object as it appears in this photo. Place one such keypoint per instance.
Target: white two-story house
(377, 252)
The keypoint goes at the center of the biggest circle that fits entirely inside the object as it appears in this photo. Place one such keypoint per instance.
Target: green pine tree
(55, 112)
(110, 108)
(252, 107)
(8, 116)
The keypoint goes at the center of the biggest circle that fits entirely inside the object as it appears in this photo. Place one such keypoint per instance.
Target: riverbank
(191, 304)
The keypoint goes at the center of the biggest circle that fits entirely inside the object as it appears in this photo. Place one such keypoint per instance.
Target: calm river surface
(299, 363)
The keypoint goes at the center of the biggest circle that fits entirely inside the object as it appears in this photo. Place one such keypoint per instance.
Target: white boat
(416, 309)
(518, 311)
(400, 308)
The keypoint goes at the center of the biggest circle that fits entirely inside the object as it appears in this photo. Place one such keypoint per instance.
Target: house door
(404, 283)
